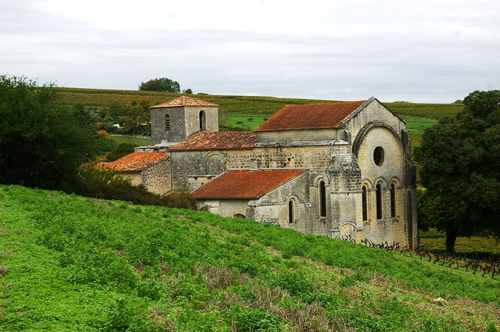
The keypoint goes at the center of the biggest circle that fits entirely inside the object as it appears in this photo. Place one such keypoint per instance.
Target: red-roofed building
(259, 193)
(339, 169)
(150, 169)
(245, 184)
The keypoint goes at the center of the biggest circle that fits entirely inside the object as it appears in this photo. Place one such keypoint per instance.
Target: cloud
(426, 51)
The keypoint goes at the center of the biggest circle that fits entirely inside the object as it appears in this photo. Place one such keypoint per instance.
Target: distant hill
(72, 263)
(245, 104)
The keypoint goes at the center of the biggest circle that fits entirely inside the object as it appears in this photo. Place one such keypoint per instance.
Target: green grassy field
(133, 140)
(416, 125)
(71, 263)
(435, 111)
(245, 121)
(435, 241)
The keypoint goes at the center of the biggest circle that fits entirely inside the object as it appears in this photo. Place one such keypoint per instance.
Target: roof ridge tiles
(183, 101)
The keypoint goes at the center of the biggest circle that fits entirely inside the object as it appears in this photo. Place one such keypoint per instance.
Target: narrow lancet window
(322, 199)
(202, 121)
(167, 122)
(364, 204)
(393, 201)
(291, 211)
(379, 201)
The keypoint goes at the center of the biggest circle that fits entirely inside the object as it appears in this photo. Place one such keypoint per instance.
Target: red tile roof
(185, 101)
(311, 116)
(245, 184)
(136, 161)
(219, 140)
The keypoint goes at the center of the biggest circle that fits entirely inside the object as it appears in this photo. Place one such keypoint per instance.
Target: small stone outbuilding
(150, 169)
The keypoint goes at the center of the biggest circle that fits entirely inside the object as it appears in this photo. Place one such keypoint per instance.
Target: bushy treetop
(461, 168)
(42, 144)
(161, 84)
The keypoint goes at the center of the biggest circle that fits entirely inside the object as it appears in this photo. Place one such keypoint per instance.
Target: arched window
(167, 122)
(202, 121)
(291, 211)
(364, 204)
(379, 201)
(322, 199)
(393, 201)
(239, 215)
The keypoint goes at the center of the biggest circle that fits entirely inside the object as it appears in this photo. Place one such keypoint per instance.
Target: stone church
(335, 169)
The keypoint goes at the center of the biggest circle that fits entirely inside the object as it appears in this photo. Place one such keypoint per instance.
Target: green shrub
(130, 315)
(108, 184)
(491, 327)
(294, 282)
(121, 150)
(257, 320)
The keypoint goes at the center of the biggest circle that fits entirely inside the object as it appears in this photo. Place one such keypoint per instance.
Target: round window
(378, 155)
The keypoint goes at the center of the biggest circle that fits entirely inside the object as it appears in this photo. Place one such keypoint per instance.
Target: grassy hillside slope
(71, 263)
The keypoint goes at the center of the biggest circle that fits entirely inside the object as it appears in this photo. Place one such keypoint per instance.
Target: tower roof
(185, 101)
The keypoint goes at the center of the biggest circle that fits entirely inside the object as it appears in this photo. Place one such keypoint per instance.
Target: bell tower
(174, 121)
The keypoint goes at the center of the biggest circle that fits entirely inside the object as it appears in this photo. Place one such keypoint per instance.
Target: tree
(161, 84)
(460, 160)
(116, 109)
(41, 144)
(121, 150)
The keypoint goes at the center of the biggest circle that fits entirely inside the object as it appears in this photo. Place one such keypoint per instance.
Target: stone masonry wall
(193, 119)
(177, 131)
(389, 171)
(184, 122)
(193, 166)
(273, 207)
(312, 135)
(375, 111)
(156, 178)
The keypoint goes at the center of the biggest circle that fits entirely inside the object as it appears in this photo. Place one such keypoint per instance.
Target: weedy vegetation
(74, 263)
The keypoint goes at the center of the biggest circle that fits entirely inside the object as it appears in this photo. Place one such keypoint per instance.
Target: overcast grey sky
(419, 51)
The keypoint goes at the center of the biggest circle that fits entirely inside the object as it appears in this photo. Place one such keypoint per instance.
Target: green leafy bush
(257, 320)
(121, 150)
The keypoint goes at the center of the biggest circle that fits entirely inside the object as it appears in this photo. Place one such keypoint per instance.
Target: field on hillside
(71, 263)
(434, 111)
(133, 140)
(248, 104)
(240, 104)
(434, 241)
